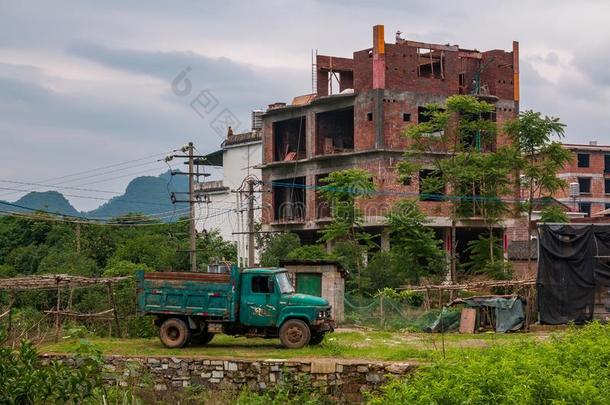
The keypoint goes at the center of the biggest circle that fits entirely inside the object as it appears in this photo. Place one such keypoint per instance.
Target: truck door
(260, 298)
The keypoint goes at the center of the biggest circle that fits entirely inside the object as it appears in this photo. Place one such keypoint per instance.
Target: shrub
(569, 368)
(26, 380)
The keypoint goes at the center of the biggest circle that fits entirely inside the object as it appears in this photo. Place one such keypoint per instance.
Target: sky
(85, 85)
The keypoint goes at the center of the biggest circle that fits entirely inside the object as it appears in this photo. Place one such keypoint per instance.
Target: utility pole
(251, 223)
(193, 178)
(192, 231)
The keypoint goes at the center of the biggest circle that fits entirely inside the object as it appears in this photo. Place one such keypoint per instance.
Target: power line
(118, 199)
(80, 220)
(108, 166)
(95, 169)
(56, 187)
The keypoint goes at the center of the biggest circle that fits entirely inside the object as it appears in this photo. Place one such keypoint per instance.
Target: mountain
(146, 195)
(51, 201)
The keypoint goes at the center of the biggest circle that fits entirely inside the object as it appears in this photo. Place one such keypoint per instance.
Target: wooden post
(116, 315)
(427, 300)
(9, 327)
(70, 299)
(57, 308)
(381, 313)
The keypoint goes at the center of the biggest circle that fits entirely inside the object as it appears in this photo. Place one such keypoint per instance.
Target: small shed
(323, 278)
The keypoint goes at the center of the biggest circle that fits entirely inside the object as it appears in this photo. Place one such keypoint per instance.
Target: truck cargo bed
(198, 294)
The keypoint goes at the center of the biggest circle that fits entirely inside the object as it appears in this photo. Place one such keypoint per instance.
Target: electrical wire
(92, 170)
(94, 198)
(441, 197)
(81, 220)
(58, 187)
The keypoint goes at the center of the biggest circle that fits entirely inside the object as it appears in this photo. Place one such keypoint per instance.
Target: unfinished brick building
(590, 169)
(381, 90)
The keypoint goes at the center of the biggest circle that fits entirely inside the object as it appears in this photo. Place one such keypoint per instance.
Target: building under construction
(356, 119)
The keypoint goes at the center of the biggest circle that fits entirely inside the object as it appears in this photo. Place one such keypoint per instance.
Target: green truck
(193, 307)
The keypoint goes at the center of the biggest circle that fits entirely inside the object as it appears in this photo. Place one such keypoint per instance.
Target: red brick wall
(364, 130)
(595, 171)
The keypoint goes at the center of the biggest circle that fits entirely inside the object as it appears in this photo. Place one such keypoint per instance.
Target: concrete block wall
(333, 289)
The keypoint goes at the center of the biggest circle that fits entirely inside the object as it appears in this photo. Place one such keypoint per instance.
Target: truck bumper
(324, 325)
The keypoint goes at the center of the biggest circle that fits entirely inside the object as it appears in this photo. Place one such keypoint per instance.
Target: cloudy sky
(85, 85)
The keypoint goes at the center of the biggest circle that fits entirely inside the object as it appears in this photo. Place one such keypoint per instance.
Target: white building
(224, 207)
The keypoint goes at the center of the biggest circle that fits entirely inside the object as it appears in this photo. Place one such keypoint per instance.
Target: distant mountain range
(148, 195)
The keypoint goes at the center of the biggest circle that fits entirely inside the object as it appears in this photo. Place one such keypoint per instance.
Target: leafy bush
(309, 252)
(27, 380)
(571, 368)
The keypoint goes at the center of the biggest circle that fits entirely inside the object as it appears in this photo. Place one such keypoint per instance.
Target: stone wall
(345, 379)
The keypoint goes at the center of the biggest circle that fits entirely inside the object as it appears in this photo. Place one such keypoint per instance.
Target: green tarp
(509, 311)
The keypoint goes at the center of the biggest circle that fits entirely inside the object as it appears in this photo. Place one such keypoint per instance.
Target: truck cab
(192, 307)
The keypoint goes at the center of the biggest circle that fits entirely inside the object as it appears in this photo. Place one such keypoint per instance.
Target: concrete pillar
(385, 239)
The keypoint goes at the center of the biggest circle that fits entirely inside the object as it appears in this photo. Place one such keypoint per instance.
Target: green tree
(341, 189)
(26, 259)
(414, 248)
(60, 261)
(454, 134)
(554, 214)
(278, 247)
(484, 179)
(124, 268)
(540, 157)
(154, 250)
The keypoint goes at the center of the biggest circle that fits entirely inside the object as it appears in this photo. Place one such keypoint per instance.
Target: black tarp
(569, 269)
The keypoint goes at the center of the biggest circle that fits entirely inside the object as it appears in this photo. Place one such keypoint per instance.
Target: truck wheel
(174, 333)
(294, 334)
(202, 339)
(316, 339)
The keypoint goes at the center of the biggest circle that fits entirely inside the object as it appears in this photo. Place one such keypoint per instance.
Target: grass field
(387, 346)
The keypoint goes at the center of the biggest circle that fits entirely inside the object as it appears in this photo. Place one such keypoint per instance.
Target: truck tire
(174, 333)
(316, 339)
(202, 338)
(294, 334)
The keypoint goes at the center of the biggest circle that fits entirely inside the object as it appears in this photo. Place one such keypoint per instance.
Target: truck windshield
(284, 283)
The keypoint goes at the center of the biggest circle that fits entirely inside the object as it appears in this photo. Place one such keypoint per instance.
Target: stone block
(217, 374)
(323, 366)
(373, 377)
(160, 387)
